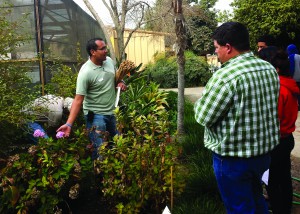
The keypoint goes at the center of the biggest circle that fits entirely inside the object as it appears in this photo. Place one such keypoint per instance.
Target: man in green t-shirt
(96, 92)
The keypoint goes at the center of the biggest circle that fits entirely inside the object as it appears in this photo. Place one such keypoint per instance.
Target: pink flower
(38, 133)
(89, 146)
(60, 134)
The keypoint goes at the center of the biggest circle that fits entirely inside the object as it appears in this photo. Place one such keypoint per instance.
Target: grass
(201, 194)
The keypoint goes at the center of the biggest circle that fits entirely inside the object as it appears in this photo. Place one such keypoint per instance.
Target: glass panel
(35, 74)
(64, 25)
(24, 11)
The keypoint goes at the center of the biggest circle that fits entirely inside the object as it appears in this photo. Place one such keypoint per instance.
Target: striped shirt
(238, 108)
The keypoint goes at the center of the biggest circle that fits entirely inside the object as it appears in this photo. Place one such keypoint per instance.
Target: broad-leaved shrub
(50, 172)
(141, 170)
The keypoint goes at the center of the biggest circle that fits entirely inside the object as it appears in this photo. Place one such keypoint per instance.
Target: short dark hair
(281, 61)
(268, 39)
(268, 53)
(91, 45)
(233, 33)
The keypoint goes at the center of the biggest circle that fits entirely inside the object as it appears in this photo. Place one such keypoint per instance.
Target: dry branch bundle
(124, 68)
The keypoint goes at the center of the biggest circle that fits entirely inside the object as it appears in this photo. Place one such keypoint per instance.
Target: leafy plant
(45, 176)
(15, 85)
(63, 80)
(10, 36)
(277, 18)
(16, 92)
(164, 71)
(137, 171)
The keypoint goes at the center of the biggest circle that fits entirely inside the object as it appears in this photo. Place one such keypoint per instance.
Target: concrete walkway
(194, 93)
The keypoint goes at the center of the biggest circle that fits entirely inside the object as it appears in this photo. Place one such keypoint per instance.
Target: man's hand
(122, 86)
(66, 129)
(75, 108)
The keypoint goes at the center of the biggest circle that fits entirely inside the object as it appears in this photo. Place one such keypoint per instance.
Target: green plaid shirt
(238, 108)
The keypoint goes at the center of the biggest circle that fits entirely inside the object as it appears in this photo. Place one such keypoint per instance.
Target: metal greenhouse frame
(57, 29)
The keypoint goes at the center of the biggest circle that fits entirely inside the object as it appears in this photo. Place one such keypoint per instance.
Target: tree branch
(100, 22)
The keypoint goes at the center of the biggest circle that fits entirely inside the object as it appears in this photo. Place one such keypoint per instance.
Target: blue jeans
(100, 128)
(239, 182)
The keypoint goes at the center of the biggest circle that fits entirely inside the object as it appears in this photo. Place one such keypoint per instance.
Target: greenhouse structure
(58, 30)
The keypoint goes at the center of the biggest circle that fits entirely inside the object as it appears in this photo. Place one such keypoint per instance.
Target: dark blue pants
(239, 182)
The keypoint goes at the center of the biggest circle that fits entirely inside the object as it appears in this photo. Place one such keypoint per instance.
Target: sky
(104, 14)
(100, 8)
(223, 4)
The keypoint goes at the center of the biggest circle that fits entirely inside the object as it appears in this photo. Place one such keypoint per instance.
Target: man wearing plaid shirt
(238, 109)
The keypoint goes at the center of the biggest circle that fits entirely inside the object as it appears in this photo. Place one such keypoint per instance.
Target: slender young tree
(103, 27)
(122, 13)
(200, 21)
(180, 46)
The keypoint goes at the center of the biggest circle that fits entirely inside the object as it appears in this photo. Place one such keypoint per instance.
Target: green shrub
(13, 31)
(137, 175)
(49, 173)
(172, 99)
(15, 85)
(16, 92)
(164, 71)
(63, 81)
(14, 82)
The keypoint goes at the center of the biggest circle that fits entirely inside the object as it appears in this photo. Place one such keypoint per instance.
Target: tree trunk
(180, 46)
(99, 20)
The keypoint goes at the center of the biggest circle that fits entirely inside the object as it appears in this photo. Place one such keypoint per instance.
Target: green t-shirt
(97, 84)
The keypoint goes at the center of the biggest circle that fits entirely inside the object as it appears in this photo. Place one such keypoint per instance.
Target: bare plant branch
(100, 22)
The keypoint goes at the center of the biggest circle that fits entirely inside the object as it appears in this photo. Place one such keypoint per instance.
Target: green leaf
(15, 195)
(44, 181)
